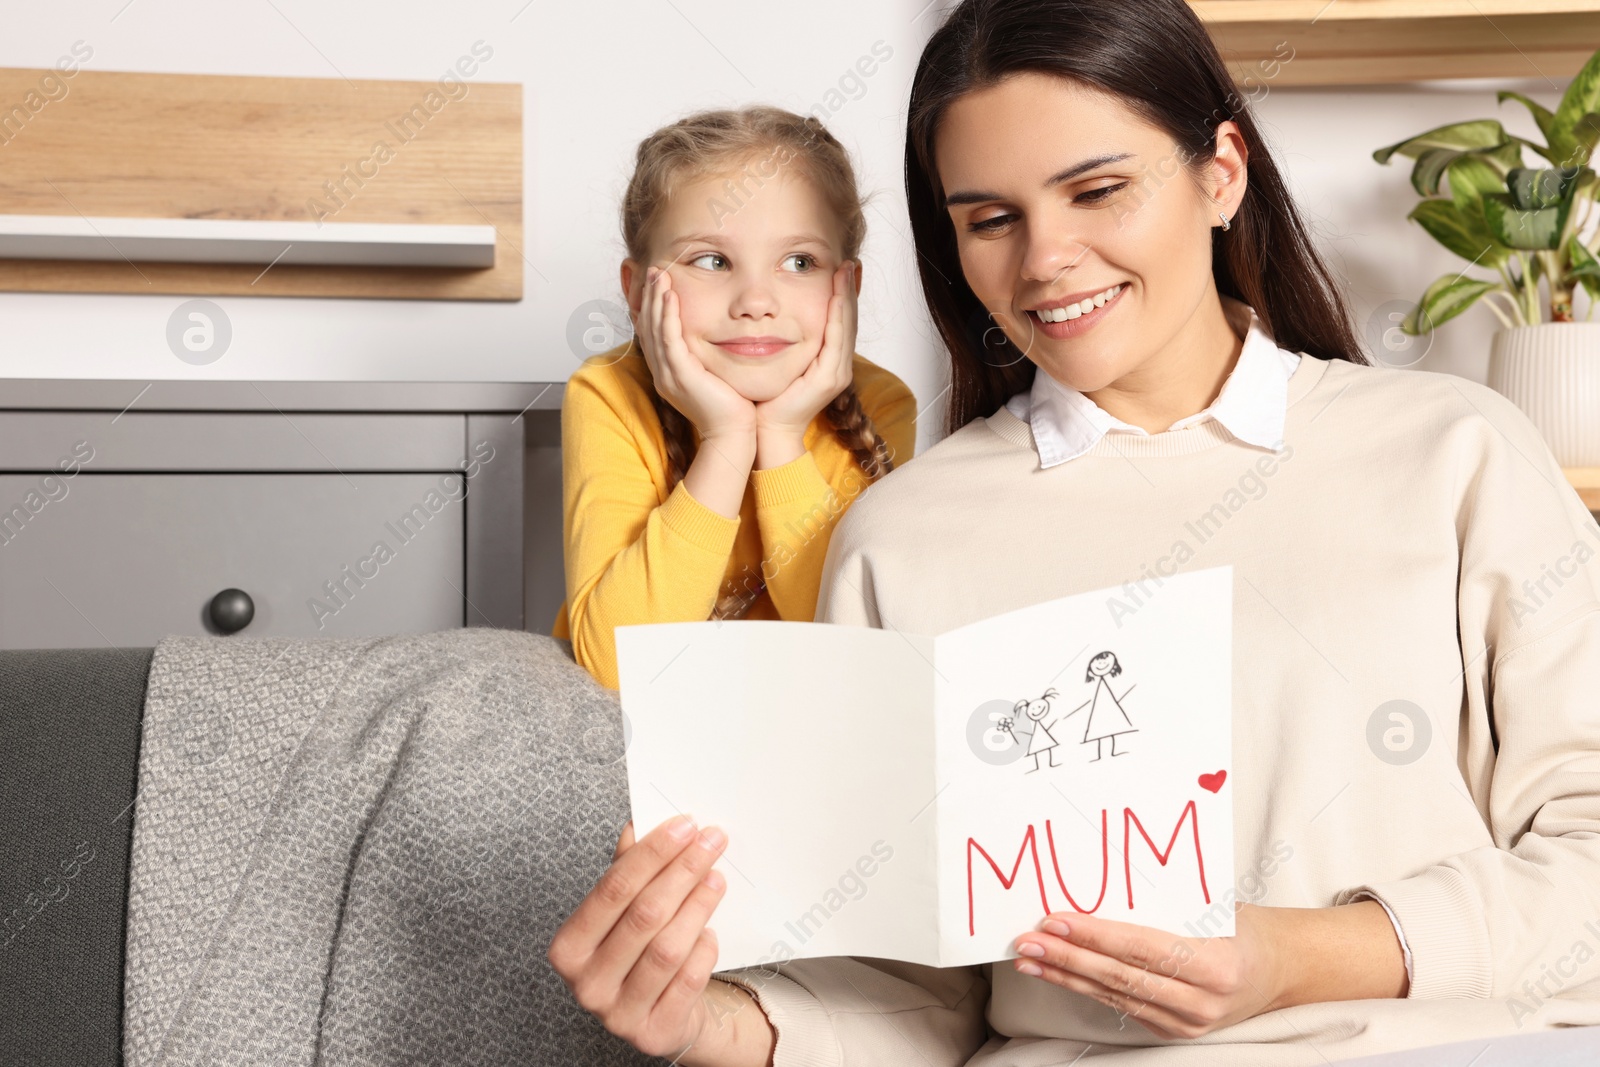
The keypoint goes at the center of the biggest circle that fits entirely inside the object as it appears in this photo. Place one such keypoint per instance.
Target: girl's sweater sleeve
(797, 509)
(630, 557)
(1510, 916)
(846, 1011)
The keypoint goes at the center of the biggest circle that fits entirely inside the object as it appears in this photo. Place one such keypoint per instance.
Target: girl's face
(763, 270)
(1101, 664)
(1059, 192)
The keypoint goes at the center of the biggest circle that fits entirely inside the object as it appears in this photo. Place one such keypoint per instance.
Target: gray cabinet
(118, 526)
(121, 559)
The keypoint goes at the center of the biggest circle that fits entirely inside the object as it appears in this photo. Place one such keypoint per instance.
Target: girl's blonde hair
(709, 143)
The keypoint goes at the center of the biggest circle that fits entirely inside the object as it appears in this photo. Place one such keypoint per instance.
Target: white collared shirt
(1251, 406)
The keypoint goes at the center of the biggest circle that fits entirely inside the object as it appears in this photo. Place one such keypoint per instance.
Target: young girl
(706, 462)
(1416, 760)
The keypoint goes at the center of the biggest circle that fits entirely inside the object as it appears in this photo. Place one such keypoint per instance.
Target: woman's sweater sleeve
(797, 509)
(1500, 919)
(847, 1011)
(630, 557)
(843, 1011)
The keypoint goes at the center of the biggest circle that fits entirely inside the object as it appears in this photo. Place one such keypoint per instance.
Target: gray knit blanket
(357, 851)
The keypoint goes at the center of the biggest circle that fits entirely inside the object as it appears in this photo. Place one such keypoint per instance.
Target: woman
(1416, 610)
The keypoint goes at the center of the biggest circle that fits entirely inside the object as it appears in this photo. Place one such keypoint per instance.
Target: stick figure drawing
(1106, 717)
(1041, 741)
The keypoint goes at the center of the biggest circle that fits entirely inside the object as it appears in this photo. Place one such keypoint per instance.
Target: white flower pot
(1552, 372)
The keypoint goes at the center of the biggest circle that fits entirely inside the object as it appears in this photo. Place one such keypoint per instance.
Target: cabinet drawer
(124, 559)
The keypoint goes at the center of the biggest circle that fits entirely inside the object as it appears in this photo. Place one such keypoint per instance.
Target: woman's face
(1057, 192)
(760, 270)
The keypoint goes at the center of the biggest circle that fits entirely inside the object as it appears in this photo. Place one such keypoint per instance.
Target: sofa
(71, 729)
(72, 723)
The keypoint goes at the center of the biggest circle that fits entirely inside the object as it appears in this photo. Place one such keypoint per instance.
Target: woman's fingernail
(1031, 969)
(712, 839)
(1057, 927)
(1028, 948)
(714, 880)
(680, 828)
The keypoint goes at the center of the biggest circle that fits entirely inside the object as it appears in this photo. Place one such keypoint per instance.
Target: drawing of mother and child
(1107, 718)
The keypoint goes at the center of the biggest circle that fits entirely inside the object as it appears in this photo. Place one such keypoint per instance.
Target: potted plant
(1532, 225)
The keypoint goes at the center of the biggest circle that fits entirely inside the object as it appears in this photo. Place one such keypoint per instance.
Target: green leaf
(1541, 114)
(1446, 298)
(1433, 163)
(1581, 98)
(1583, 190)
(1587, 134)
(1506, 157)
(1431, 166)
(1470, 177)
(1526, 228)
(1585, 267)
(1467, 235)
(1534, 188)
(1583, 261)
(1460, 136)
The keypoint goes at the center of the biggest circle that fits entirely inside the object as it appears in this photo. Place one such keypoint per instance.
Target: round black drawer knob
(231, 610)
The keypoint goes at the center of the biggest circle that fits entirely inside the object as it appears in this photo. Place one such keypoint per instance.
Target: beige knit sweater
(1414, 543)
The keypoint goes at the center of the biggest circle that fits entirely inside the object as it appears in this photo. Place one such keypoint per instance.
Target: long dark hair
(1158, 58)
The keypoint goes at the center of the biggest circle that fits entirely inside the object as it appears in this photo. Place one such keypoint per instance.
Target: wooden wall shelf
(262, 149)
(1356, 42)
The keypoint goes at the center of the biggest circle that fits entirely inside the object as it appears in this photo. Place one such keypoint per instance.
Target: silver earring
(1225, 225)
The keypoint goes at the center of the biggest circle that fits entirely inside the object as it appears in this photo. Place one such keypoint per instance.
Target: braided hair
(851, 425)
(713, 141)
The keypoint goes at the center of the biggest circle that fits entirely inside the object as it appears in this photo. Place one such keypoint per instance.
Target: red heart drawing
(1213, 782)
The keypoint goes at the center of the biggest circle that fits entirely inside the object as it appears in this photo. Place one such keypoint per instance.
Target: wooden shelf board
(1272, 43)
(1305, 11)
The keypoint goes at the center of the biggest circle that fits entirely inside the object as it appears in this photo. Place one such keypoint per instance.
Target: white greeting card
(929, 798)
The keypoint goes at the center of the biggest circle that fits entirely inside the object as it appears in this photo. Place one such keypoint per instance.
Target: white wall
(598, 76)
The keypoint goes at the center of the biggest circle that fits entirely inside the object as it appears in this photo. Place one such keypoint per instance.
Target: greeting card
(929, 797)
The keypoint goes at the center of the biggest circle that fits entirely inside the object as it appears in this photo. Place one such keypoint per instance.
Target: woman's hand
(715, 408)
(1176, 987)
(637, 953)
(781, 422)
(1179, 987)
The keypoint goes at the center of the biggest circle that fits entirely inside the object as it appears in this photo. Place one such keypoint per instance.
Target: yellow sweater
(638, 554)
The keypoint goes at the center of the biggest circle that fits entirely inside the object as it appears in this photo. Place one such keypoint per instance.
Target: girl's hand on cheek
(781, 422)
(715, 408)
(1175, 987)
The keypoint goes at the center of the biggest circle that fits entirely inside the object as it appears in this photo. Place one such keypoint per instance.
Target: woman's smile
(1077, 317)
